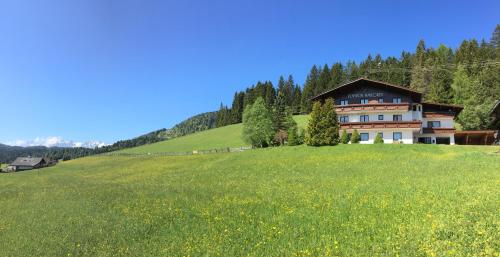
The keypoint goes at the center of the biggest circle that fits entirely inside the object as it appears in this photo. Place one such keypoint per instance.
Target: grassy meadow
(228, 136)
(347, 200)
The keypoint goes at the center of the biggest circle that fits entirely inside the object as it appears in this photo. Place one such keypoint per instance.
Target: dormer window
(396, 100)
(364, 101)
(344, 102)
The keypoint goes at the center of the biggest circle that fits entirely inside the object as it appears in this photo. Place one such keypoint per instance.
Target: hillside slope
(347, 200)
(228, 136)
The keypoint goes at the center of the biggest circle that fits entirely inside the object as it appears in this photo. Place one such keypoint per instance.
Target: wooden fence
(194, 152)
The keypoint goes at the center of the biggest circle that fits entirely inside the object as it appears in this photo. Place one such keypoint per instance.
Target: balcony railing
(438, 130)
(381, 125)
(373, 107)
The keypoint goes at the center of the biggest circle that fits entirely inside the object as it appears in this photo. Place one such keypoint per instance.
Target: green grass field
(228, 136)
(347, 200)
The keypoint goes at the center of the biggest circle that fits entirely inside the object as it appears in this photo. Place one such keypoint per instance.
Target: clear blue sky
(114, 69)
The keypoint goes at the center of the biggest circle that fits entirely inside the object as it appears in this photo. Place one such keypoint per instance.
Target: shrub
(294, 137)
(378, 139)
(344, 139)
(355, 138)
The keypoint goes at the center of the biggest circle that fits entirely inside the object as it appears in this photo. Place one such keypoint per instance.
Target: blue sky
(114, 69)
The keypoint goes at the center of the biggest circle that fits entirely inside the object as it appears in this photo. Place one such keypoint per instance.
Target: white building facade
(395, 112)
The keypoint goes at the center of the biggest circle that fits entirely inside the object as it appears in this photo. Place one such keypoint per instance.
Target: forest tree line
(468, 75)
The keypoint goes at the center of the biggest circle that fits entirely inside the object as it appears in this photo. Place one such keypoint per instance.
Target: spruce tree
(293, 136)
(420, 75)
(297, 97)
(355, 137)
(378, 139)
(323, 127)
(309, 90)
(323, 80)
(329, 123)
(344, 139)
(337, 75)
(313, 133)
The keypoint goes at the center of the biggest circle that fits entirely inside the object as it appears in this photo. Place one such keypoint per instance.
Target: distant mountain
(56, 142)
(60, 149)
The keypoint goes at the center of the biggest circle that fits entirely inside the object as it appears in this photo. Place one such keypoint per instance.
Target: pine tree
(257, 124)
(420, 76)
(313, 132)
(289, 91)
(323, 127)
(270, 94)
(441, 79)
(355, 137)
(329, 123)
(237, 107)
(323, 81)
(309, 90)
(337, 75)
(223, 116)
(297, 97)
(279, 113)
(344, 138)
(351, 71)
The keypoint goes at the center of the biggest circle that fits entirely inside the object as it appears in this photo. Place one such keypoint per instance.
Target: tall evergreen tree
(323, 80)
(309, 90)
(270, 94)
(237, 107)
(420, 76)
(441, 78)
(337, 75)
(297, 98)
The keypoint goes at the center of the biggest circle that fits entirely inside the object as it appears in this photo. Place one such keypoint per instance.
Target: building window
(434, 124)
(364, 136)
(419, 108)
(396, 100)
(381, 117)
(424, 140)
(344, 102)
(364, 118)
(381, 134)
(381, 100)
(344, 119)
(396, 136)
(414, 108)
(397, 117)
(364, 101)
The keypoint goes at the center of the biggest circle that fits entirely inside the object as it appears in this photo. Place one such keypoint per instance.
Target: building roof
(26, 161)
(444, 107)
(373, 82)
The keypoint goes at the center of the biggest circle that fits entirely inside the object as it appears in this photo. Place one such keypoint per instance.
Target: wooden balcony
(439, 130)
(438, 115)
(381, 125)
(372, 107)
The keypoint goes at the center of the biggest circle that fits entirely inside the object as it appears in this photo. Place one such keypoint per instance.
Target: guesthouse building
(396, 112)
